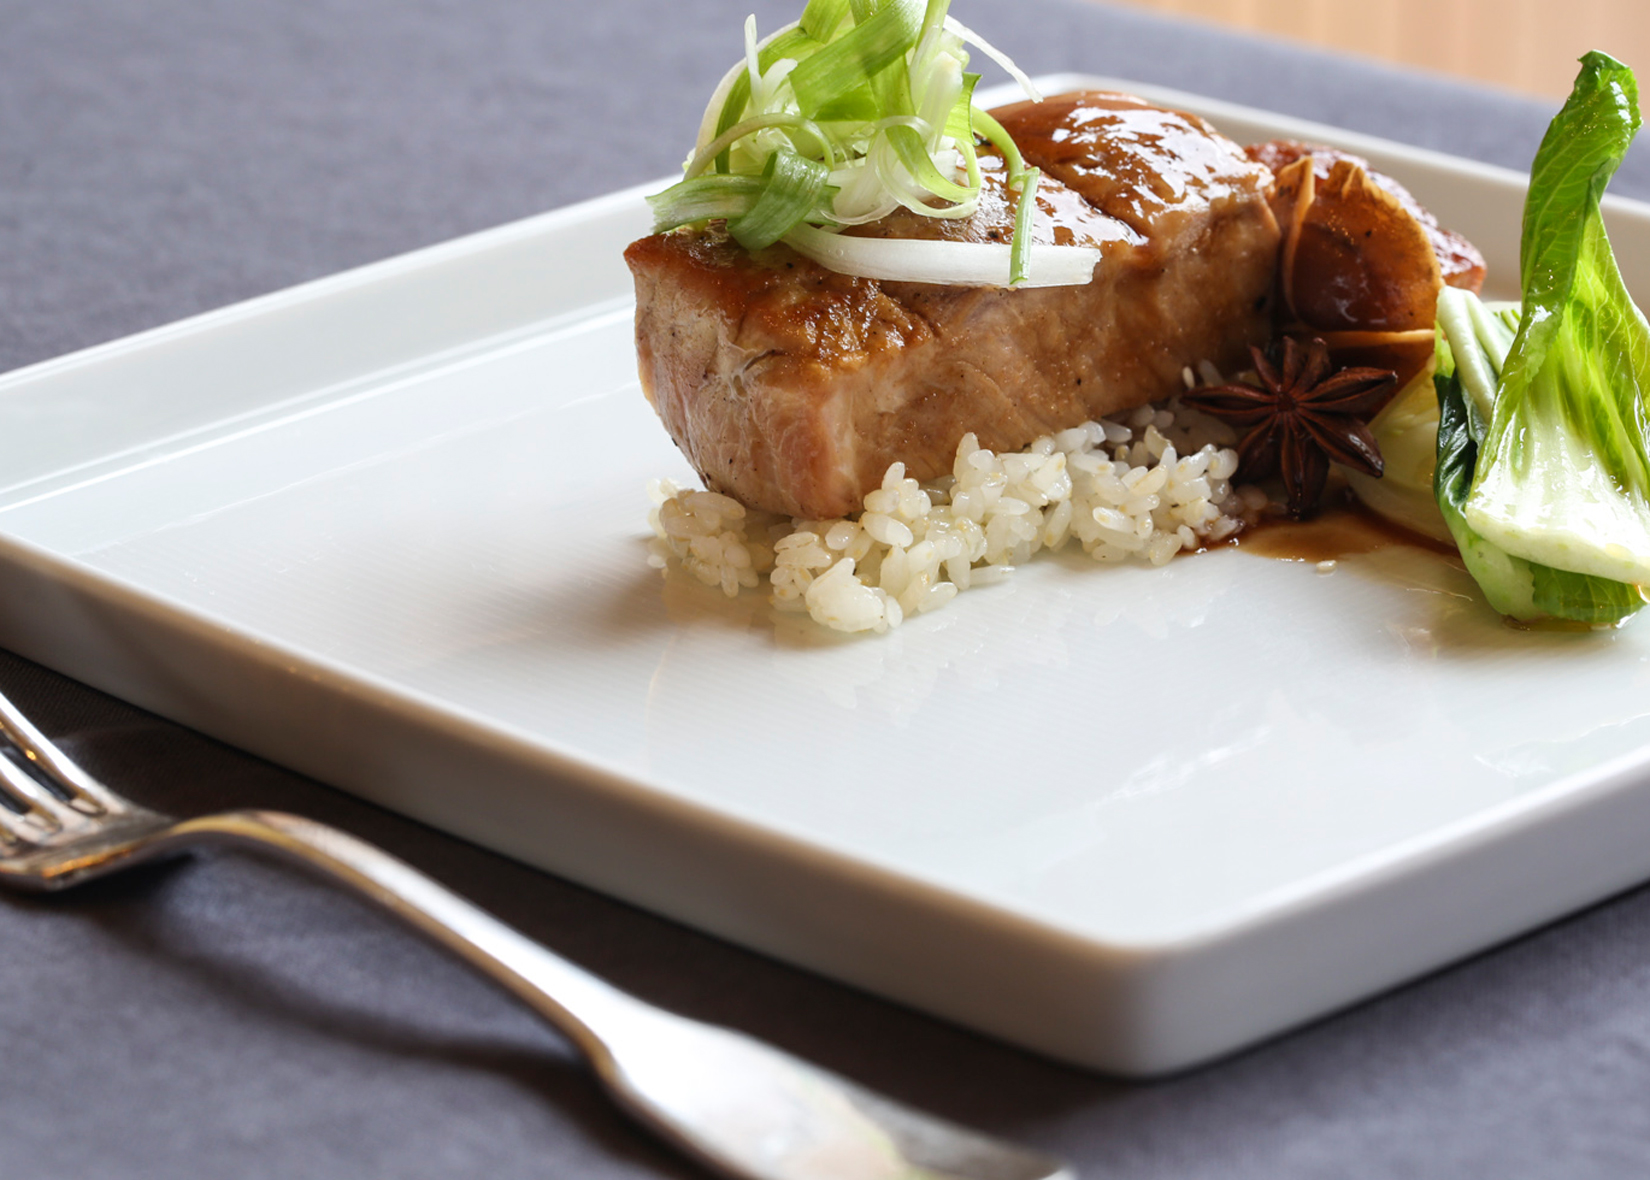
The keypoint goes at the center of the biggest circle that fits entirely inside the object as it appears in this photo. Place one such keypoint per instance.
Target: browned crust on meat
(719, 330)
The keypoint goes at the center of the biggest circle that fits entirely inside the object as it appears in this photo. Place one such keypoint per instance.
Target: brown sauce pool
(1343, 530)
(1348, 529)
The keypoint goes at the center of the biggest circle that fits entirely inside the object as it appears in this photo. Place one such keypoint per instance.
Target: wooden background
(1524, 45)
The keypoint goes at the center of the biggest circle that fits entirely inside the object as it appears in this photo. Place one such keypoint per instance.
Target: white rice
(1140, 489)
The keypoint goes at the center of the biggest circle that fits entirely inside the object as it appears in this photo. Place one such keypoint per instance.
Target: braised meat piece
(1459, 262)
(793, 388)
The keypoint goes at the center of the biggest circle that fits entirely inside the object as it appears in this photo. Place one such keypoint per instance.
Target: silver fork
(732, 1102)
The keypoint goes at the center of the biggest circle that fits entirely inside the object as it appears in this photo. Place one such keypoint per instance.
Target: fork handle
(734, 1103)
(572, 999)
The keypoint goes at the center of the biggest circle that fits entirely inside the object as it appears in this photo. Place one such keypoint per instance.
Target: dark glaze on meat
(793, 388)
(1160, 172)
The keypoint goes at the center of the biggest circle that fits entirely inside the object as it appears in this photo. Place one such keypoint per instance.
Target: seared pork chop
(793, 388)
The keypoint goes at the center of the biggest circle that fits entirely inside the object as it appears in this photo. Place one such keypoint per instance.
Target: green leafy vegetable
(1562, 474)
(860, 108)
(1522, 589)
(1542, 474)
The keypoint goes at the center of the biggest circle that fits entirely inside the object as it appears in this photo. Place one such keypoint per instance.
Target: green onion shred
(860, 108)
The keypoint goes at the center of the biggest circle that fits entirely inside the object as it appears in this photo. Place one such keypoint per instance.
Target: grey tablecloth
(221, 1017)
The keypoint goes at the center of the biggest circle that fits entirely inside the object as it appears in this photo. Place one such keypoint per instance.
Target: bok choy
(1470, 366)
(1543, 464)
(858, 109)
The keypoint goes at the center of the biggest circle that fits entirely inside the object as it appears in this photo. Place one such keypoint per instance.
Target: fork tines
(41, 790)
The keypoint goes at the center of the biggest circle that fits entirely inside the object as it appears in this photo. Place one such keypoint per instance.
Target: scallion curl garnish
(858, 109)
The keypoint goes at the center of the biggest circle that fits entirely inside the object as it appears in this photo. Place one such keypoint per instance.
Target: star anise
(1301, 417)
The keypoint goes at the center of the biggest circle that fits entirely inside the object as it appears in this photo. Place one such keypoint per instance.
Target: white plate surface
(388, 529)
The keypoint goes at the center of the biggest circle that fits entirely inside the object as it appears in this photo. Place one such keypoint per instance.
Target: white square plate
(387, 528)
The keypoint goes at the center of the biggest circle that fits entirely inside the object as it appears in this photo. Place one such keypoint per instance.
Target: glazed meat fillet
(793, 388)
